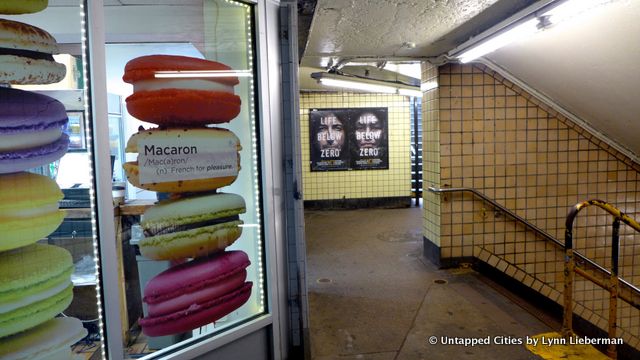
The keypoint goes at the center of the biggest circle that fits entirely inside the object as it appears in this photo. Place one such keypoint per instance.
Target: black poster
(349, 139)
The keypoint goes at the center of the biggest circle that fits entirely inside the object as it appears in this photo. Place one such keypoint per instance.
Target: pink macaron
(195, 293)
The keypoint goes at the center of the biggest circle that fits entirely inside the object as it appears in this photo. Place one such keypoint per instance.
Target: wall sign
(349, 139)
(179, 159)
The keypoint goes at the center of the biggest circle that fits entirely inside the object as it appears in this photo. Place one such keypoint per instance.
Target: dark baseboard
(431, 251)
(362, 203)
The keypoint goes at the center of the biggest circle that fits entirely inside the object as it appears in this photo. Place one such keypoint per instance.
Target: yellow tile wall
(500, 140)
(329, 185)
(431, 155)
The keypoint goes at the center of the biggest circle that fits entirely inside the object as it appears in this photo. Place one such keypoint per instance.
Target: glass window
(190, 225)
(48, 282)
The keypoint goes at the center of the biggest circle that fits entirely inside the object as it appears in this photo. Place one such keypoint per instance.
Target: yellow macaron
(28, 209)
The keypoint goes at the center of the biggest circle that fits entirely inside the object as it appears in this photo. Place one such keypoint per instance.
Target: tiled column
(431, 162)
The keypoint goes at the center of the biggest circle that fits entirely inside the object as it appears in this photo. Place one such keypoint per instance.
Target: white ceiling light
(522, 25)
(409, 69)
(572, 8)
(347, 84)
(407, 92)
(429, 85)
(518, 32)
(368, 85)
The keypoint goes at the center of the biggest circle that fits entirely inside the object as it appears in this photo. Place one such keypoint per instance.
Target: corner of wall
(431, 163)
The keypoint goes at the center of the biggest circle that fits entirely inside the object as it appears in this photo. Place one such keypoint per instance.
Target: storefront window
(48, 272)
(185, 167)
(190, 225)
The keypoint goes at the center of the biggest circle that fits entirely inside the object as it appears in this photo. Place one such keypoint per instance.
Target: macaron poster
(190, 158)
(27, 56)
(31, 130)
(35, 278)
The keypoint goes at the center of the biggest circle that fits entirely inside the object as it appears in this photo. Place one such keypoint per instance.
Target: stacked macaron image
(194, 227)
(35, 286)
(27, 56)
(35, 278)
(31, 130)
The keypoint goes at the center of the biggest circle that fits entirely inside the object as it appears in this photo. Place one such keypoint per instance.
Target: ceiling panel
(590, 66)
(384, 28)
(398, 29)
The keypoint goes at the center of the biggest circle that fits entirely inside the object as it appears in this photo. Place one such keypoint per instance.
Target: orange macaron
(172, 90)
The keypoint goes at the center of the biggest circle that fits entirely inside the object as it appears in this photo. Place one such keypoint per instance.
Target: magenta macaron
(195, 293)
(31, 130)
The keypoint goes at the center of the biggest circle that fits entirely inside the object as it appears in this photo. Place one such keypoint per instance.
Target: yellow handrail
(612, 285)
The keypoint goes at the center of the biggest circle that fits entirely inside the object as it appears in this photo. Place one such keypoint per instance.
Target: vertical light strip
(254, 151)
(92, 194)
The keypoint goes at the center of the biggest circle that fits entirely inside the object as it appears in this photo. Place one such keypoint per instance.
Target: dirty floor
(373, 296)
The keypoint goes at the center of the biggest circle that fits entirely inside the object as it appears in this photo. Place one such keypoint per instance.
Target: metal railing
(574, 260)
(611, 285)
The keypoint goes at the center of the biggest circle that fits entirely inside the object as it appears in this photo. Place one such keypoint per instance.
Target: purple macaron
(31, 130)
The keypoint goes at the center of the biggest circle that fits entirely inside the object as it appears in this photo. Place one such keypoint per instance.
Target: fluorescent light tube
(566, 10)
(572, 8)
(407, 92)
(202, 73)
(358, 85)
(429, 85)
(518, 32)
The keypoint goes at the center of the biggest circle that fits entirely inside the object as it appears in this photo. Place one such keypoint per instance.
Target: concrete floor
(373, 296)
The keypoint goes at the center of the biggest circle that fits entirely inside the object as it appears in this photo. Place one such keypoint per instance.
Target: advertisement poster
(349, 139)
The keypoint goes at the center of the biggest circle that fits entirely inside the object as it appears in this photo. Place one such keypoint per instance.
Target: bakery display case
(138, 216)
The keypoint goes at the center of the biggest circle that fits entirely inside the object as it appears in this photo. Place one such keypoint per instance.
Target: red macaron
(195, 293)
(171, 90)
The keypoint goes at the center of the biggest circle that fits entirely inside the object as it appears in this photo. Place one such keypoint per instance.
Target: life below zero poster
(349, 139)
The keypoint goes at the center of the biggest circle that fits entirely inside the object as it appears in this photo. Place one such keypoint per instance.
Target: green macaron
(14, 7)
(191, 227)
(35, 286)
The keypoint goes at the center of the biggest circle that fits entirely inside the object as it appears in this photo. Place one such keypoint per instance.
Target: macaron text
(170, 150)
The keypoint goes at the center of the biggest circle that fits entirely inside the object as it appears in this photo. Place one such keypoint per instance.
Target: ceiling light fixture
(357, 85)
(516, 33)
(368, 85)
(407, 92)
(429, 85)
(572, 8)
(522, 25)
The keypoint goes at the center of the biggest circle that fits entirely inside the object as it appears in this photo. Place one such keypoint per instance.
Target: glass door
(190, 230)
